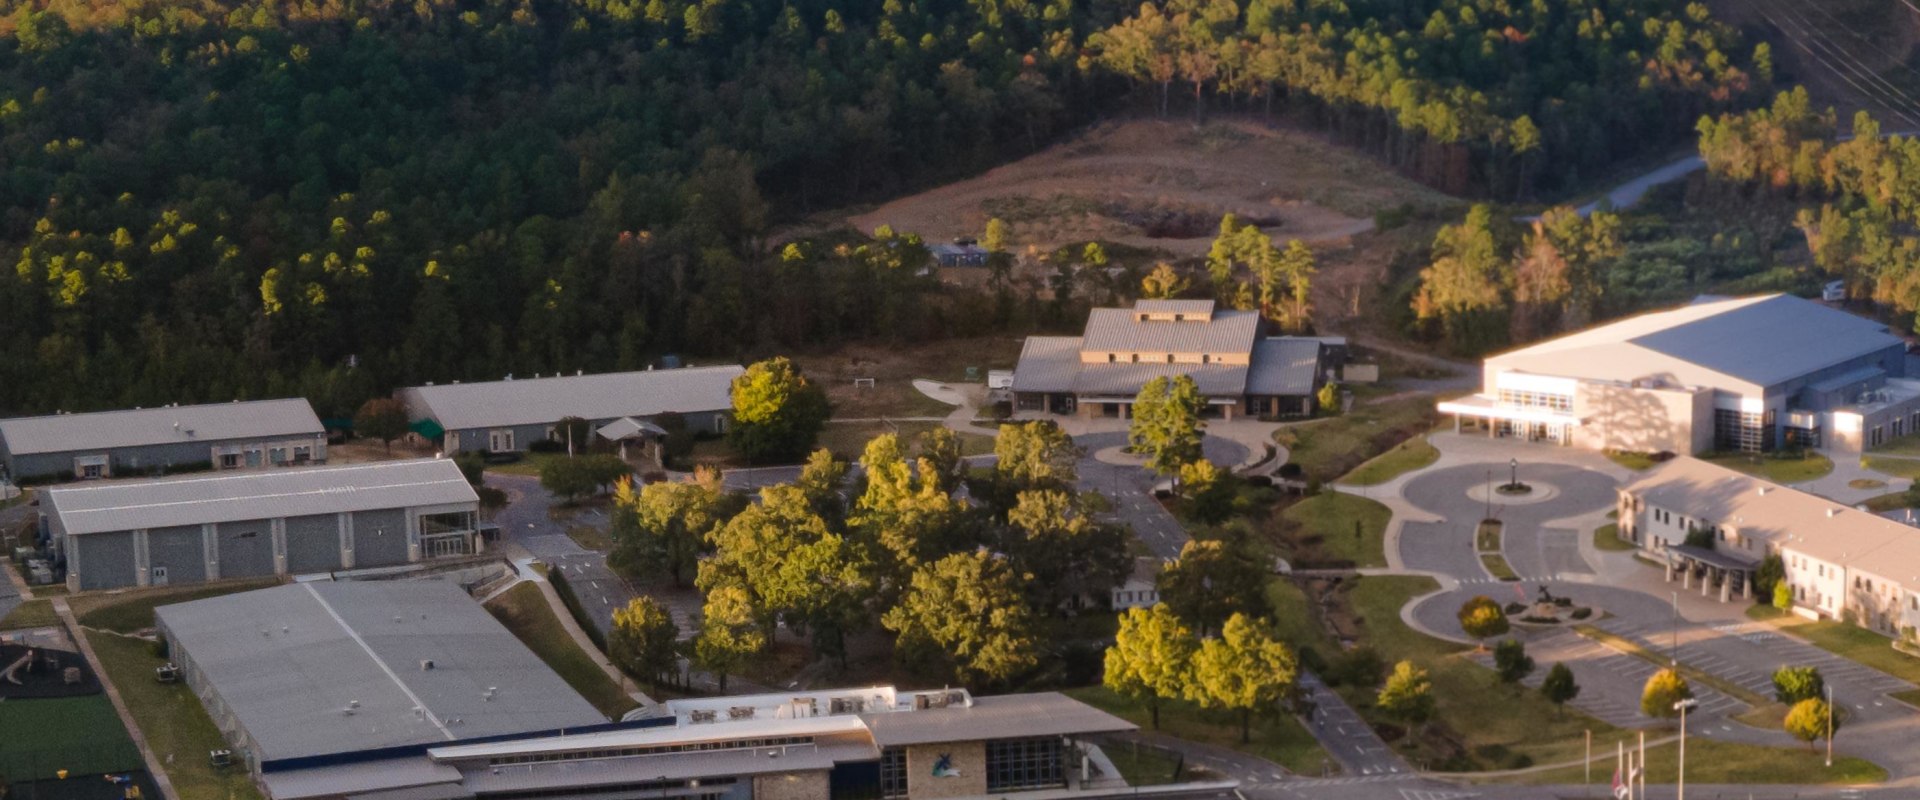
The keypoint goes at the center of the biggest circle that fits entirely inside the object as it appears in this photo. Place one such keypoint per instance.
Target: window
(1136, 358)
(1206, 358)
(1016, 764)
(500, 440)
(1112, 357)
(1524, 399)
(893, 772)
(1169, 358)
(1742, 431)
(229, 460)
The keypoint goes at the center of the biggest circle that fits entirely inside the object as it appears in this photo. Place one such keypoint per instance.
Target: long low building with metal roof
(139, 441)
(803, 745)
(1748, 374)
(1239, 371)
(511, 414)
(189, 529)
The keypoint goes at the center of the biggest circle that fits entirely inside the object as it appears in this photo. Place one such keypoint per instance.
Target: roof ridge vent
(1833, 512)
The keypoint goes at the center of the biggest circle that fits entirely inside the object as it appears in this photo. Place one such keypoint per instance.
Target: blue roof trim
(406, 750)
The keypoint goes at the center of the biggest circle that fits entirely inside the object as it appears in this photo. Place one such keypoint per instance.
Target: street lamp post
(1673, 654)
(1682, 707)
(1829, 725)
(1513, 473)
(1489, 514)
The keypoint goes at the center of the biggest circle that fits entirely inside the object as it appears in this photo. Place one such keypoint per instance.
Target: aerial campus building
(189, 529)
(1749, 374)
(408, 690)
(139, 441)
(510, 415)
(1240, 371)
(1713, 526)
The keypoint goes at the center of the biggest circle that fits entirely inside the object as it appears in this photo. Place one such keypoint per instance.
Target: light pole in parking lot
(1829, 725)
(1513, 472)
(1682, 707)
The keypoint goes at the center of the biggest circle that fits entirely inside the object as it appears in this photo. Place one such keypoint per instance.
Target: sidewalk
(160, 778)
(524, 566)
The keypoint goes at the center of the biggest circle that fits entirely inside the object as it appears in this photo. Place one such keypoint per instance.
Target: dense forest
(211, 199)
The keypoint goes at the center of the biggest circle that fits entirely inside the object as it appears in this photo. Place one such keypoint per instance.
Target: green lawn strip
(130, 612)
(1278, 738)
(1607, 537)
(1486, 536)
(1767, 718)
(171, 718)
(529, 465)
(1893, 465)
(1405, 457)
(1715, 761)
(1326, 449)
(1694, 675)
(1294, 620)
(1778, 469)
(1496, 565)
(1332, 517)
(1891, 501)
(590, 537)
(1850, 642)
(524, 610)
(81, 735)
(1910, 697)
(1632, 461)
(1908, 445)
(1143, 765)
(1488, 716)
(36, 613)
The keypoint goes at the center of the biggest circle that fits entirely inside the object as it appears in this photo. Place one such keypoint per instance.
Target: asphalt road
(1130, 487)
(527, 522)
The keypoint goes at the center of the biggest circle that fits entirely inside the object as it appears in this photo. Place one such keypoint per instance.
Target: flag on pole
(1619, 789)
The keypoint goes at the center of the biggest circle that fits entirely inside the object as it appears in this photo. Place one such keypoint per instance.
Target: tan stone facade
(969, 758)
(1643, 419)
(792, 786)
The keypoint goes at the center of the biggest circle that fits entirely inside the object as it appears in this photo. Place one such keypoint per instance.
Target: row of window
(622, 752)
(1134, 358)
(1519, 398)
(1017, 764)
(655, 788)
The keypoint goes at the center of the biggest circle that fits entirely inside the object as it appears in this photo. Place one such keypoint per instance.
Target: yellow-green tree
(1482, 619)
(1407, 694)
(1664, 690)
(1151, 657)
(644, 641)
(1166, 425)
(1808, 721)
(965, 613)
(777, 412)
(729, 635)
(1244, 670)
(1163, 283)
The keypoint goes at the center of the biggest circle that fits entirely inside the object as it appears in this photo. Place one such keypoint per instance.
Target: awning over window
(428, 429)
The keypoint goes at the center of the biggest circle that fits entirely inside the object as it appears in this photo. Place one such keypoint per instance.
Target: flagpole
(1619, 767)
(1589, 763)
(1643, 763)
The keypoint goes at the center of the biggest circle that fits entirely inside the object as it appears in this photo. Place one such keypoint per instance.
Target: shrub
(1515, 608)
(546, 446)
(1582, 613)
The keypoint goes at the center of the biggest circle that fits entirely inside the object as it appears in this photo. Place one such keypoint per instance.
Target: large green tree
(1664, 690)
(1245, 669)
(1166, 426)
(662, 528)
(777, 412)
(729, 634)
(1407, 694)
(644, 641)
(1068, 554)
(964, 613)
(1213, 580)
(382, 418)
(1151, 658)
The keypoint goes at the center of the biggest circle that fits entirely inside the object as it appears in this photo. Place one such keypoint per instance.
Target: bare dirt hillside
(1163, 185)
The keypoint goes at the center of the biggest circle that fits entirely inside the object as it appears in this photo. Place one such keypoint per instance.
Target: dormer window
(1112, 357)
(1136, 358)
(1206, 358)
(1179, 318)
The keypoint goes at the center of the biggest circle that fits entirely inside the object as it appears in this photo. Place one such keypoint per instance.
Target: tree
(1328, 397)
(904, 512)
(1034, 455)
(1211, 582)
(1663, 690)
(1068, 554)
(1794, 684)
(662, 528)
(1465, 281)
(1558, 687)
(1244, 670)
(1808, 721)
(729, 634)
(821, 480)
(1208, 492)
(1511, 661)
(793, 566)
(643, 642)
(1481, 618)
(575, 433)
(1151, 657)
(1163, 283)
(1166, 425)
(965, 612)
(1407, 694)
(568, 477)
(603, 470)
(1783, 597)
(777, 412)
(1772, 572)
(940, 451)
(382, 418)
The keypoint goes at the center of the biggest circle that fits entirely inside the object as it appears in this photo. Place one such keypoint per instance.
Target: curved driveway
(1533, 550)
(1130, 487)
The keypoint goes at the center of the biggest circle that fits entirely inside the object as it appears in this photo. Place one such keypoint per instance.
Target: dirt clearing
(1164, 185)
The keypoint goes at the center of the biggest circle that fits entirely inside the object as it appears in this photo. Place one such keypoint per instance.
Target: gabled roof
(1760, 340)
(100, 506)
(290, 661)
(1284, 365)
(540, 401)
(214, 422)
(1120, 330)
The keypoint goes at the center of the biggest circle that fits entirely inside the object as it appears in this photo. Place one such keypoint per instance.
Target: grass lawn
(1891, 501)
(1714, 761)
(1486, 536)
(79, 734)
(131, 612)
(1488, 717)
(1890, 465)
(170, 716)
(1328, 448)
(1866, 483)
(30, 614)
(1496, 565)
(1847, 641)
(1280, 739)
(590, 537)
(1908, 445)
(1142, 766)
(530, 465)
(849, 439)
(525, 612)
(1407, 456)
(1294, 619)
(1334, 518)
(1632, 461)
(1607, 538)
(1692, 674)
(1779, 470)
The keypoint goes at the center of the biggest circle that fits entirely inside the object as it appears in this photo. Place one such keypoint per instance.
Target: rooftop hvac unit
(426, 664)
(220, 758)
(700, 715)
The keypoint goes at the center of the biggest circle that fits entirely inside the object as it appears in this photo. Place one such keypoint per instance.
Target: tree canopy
(777, 412)
(1166, 426)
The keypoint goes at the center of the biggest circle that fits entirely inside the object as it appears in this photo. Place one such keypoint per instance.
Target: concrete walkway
(1846, 469)
(160, 779)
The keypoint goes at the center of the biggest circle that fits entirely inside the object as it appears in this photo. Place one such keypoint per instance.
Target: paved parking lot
(1610, 681)
(1747, 654)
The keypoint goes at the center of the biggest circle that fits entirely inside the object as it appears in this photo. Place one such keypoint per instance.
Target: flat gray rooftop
(102, 430)
(542, 401)
(290, 661)
(98, 506)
